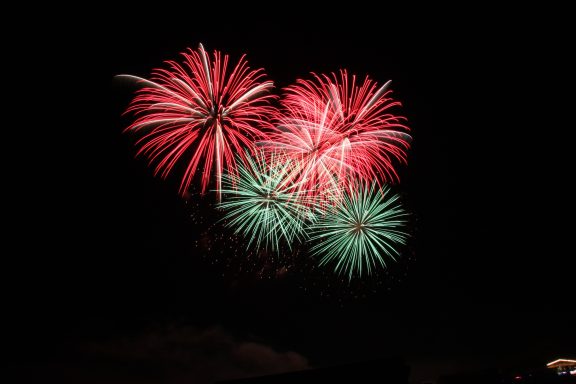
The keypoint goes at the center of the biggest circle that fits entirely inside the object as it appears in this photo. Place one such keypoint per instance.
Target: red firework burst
(201, 113)
(341, 131)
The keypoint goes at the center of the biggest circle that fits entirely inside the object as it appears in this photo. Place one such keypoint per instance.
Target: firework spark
(263, 204)
(341, 132)
(361, 232)
(201, 113)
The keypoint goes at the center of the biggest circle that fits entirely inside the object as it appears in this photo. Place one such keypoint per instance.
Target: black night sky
(112, 279)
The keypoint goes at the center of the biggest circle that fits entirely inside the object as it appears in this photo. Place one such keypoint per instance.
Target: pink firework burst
(201, 113)
(340, 131)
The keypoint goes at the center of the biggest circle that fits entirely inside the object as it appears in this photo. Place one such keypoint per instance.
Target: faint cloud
(187, 354)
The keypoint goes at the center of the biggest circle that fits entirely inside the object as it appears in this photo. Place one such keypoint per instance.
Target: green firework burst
(263, 204)
(360, 232)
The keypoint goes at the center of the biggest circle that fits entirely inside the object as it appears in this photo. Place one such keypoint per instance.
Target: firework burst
(263, 204)
(341, 132)
(361, 232)
(201, 113)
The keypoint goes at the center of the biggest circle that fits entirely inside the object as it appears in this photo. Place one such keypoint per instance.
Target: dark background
(107, 251)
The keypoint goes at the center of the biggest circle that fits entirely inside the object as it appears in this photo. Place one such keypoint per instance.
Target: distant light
(568, 361)
(573, 372)
(518, 377)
